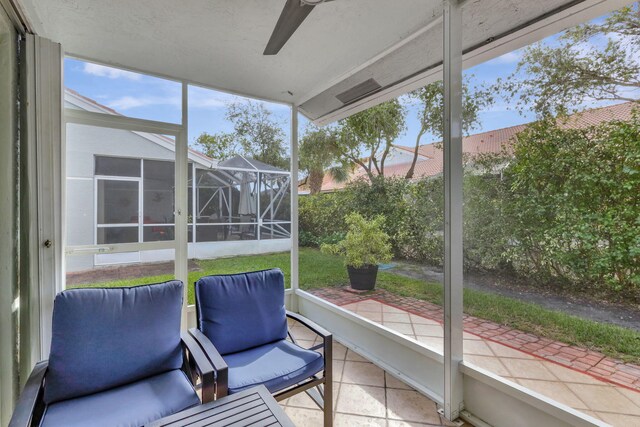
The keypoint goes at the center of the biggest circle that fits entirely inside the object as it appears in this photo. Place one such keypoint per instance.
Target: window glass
(156, 233)
(117, 202)
(111, 235)
(117, 166)
(159, 197)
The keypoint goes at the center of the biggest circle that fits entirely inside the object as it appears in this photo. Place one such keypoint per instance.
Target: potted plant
(365, 246)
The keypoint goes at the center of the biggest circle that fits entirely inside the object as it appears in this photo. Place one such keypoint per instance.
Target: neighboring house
(241, 206)
(430, 157)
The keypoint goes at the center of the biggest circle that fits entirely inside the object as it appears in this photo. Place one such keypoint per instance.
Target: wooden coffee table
(252, 407)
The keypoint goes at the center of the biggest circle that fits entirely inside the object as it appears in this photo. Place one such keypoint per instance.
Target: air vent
(358, 91)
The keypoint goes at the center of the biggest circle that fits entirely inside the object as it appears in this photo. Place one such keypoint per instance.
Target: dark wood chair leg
(328, 382)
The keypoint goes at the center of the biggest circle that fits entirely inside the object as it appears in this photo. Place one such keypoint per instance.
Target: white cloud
(509, 58)
(211, 99)
(108, 72)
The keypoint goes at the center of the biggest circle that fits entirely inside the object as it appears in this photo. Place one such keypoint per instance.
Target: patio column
(294, 207)
(453, 174)
(181, 203)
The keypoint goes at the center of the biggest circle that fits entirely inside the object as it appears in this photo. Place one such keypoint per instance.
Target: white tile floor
(613, 404)
(364, 395)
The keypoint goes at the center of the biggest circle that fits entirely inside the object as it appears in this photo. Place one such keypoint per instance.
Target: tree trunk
(316, 177)
(384, 157)
(411, 170)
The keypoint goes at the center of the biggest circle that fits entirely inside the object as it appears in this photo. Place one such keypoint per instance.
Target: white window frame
(140, 224)
(179, 133)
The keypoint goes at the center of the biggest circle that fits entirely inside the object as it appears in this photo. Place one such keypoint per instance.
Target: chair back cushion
(241, 311)
(103, 338)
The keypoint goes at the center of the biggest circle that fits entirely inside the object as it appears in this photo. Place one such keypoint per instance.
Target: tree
(219, 146)
(255, 134)
(369, 133)
(318, 155)
(431, 99)
(258, 134)
(594, 61)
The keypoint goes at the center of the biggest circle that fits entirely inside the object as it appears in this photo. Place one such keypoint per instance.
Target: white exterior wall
(86, 142)
(83, 144)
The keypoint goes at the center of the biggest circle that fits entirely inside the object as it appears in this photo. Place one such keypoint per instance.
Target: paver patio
(495, 348)
(363, 394)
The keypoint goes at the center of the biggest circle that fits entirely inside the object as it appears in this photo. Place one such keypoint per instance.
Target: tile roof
(494, 141)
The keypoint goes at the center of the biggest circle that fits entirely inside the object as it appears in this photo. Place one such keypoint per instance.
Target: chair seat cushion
(277, 365)
(132, 405)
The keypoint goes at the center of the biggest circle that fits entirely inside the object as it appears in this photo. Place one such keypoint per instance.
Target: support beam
(294, 207)
(181, 203)
(9, 202)
(453, 174)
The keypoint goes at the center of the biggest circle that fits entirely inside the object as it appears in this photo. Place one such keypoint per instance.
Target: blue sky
(142, 96)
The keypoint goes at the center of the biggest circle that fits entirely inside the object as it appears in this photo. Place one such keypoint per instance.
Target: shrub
(564, 209)
(364, 244)
(321, 218)
(574, 200)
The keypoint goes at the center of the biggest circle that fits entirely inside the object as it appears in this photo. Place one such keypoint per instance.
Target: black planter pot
(363, 278)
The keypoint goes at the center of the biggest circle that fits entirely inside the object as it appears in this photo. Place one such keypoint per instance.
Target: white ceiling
(219, 43)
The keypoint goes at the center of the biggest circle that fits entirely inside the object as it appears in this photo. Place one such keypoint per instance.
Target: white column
(194, 203)
(181, 203)
(9, 256)
(294, 207)
(453, 174)
(43, 192)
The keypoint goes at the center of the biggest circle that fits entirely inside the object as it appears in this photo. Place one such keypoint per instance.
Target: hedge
(564, 208)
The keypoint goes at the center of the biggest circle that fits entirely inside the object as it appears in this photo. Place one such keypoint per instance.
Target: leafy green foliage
(431, 110)
(564, 209)
(369, 134)
(256, 134)
(220, 146)
(575, 202)
(322, 215)
(364, 244)
(318, 155)
(580, 69)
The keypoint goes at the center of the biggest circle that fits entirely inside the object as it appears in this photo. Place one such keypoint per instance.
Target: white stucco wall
(86, 142)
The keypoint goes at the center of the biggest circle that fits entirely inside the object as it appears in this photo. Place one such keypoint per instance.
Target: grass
(321, 270)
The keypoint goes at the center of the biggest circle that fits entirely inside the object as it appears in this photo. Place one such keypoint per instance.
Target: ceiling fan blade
(292, 15)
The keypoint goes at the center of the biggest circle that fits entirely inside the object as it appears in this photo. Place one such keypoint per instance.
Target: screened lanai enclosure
(347, 56)
(240, 199)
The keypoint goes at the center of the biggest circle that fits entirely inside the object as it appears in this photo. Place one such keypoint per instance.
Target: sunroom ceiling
(341, 44)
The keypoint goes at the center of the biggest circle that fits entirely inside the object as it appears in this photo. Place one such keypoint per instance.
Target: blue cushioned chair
(242, 327)
(117, 358)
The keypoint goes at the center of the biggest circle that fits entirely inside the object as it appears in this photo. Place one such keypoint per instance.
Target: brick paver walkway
(579, 359)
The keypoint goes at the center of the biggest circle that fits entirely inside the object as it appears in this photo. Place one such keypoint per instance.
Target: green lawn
(321, 270)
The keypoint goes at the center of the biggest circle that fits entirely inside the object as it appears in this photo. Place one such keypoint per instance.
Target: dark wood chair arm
(327, 344)
(219, 365)
(198, 360)
(317, 329)
(30, 405)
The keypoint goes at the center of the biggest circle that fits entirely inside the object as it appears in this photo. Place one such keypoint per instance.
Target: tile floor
(364, 395)
(613, 404)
